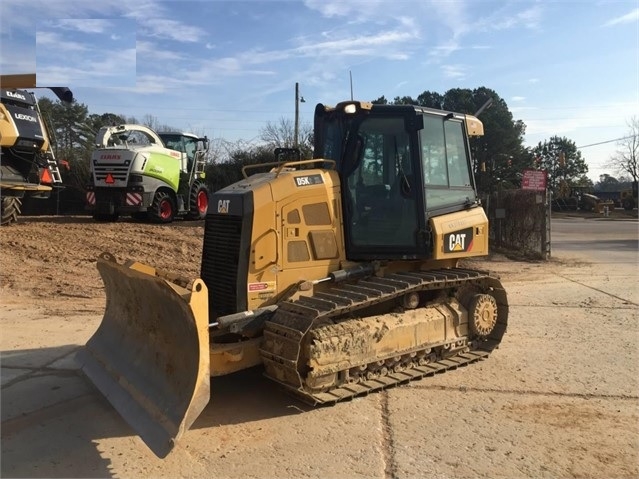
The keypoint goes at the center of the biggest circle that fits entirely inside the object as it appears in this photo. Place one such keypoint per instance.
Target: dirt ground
(559, 398)
(54, 257)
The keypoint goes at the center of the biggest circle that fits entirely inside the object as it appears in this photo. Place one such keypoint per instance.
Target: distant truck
(148, 175)
(579, 199)
(626, 199)
(589, 202)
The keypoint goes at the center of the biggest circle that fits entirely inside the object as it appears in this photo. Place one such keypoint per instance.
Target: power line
(607, 141)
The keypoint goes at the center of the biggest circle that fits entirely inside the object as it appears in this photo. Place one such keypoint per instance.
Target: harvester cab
(339, 274)
(194, 150)
(158, 176)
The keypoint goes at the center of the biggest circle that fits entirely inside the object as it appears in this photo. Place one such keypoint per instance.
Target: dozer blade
(150, 355)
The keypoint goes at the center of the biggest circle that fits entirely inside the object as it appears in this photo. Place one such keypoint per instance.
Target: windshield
(331, 148)
(333, 134)
(130, 137)
(181, 143)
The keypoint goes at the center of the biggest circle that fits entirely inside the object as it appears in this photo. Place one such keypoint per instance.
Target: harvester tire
(198, 201)
(163, 208)
(10, 210)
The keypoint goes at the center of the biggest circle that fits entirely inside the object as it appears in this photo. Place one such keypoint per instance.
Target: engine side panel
(460, 235)
(269, 232)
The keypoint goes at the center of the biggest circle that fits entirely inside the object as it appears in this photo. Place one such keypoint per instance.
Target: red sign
(109, 178)
(534, 180)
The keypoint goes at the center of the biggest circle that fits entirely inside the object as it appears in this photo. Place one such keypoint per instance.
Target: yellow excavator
(340, 275)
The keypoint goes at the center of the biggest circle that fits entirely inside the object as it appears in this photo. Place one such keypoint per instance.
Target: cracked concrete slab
(559, 398)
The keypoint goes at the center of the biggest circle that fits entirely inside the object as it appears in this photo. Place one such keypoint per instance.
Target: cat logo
(458, 241)
(223, 206)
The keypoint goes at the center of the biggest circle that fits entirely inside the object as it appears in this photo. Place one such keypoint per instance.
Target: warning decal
(259, 287)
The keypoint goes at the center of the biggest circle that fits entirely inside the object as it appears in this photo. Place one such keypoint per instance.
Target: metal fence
(519, 221)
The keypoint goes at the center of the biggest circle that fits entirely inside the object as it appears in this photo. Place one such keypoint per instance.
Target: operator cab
(399, 166)
(184, 143)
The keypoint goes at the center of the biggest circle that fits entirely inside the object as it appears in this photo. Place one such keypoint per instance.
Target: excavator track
(325, 320)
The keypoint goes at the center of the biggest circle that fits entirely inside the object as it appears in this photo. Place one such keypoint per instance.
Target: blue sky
(227, 68)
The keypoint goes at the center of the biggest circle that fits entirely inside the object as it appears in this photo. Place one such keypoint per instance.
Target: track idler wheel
(482, 314)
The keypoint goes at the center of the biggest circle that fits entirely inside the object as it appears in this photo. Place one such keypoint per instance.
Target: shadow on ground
(54, 419)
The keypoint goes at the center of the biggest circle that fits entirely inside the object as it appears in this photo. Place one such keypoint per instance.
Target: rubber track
(284, 333)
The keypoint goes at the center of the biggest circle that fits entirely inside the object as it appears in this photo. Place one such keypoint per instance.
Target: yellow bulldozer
(340, 275)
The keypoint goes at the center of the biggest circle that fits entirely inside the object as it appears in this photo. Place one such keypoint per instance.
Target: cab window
(445, 163)
(380, 189)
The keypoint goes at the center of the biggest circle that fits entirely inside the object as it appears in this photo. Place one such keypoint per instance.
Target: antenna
(351, 76)
(484, 106)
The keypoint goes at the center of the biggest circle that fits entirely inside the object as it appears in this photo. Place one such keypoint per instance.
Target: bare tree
(282, 135)
(278, 134)
(626, 160)
(151, 121)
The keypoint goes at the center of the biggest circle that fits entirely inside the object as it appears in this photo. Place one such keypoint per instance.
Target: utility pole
(297, 114)
(298, 99)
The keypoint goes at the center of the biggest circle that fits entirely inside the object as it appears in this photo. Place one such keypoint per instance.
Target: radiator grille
(120, 173)
(220, 262)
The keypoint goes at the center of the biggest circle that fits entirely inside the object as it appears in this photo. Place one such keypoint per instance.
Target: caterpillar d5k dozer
(339, 274)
